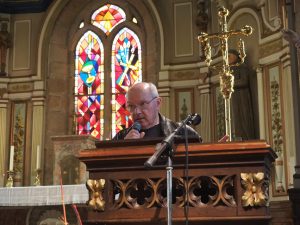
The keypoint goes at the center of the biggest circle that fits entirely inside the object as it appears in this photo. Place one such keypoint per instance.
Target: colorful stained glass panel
(107, 17)
(88, 121)
(89, 85)
(126, 71)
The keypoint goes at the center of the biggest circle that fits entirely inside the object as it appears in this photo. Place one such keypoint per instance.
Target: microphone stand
(166, 145)
(169, 169)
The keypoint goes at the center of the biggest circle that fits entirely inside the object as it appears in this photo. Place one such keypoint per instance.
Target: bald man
(143, 102)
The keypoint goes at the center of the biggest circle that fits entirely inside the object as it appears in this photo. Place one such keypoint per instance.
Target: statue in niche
(202, 16)
(242, 100)
(5, 43)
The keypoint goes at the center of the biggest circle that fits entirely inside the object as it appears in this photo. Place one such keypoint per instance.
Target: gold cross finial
(226, 77)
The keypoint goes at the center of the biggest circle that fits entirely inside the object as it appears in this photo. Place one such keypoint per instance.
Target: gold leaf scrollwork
(255, 192)
(226, 84)
(95, 188)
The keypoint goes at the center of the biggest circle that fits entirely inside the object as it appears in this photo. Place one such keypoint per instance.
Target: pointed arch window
(96, 80)
(126, 70)
(89, 85)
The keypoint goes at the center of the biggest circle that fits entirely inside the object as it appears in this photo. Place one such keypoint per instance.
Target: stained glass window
(126, 70)
(107, 17)
(89, 85)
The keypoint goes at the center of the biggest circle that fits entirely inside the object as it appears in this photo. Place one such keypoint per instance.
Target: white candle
(11, 159)
(38, 157)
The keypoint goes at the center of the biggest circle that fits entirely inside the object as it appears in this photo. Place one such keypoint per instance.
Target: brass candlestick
(37, 181)
(226, 77)
(10, 180)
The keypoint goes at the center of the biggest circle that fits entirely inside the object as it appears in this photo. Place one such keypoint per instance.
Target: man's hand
(134, 134)
(225, 138)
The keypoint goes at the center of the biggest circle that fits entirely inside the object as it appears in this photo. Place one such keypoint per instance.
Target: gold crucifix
(226, 77)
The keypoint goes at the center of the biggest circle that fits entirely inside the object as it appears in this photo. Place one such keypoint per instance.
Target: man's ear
(159, 101)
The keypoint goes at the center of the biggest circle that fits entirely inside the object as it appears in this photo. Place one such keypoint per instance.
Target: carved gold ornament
(255, 194)
(96, 200)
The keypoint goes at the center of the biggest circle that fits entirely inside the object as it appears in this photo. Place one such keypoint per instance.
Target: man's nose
(137, 110)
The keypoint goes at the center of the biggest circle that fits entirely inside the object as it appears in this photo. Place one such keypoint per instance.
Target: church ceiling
(23, 6)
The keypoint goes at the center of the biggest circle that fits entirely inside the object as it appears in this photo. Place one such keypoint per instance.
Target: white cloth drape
(43, 195)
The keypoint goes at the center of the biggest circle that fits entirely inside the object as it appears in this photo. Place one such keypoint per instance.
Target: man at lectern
(143, 102)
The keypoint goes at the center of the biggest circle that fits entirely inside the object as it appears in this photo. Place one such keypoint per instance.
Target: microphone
(195, 119)
(136, 126)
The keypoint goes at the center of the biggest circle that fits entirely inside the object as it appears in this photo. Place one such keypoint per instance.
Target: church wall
(58, 81)
(25, 29)
(165, 18)
(180, 68)
(50, 97)
(19, 87)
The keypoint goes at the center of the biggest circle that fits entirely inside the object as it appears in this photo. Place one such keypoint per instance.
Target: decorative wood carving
(256, 189)
(96, 200)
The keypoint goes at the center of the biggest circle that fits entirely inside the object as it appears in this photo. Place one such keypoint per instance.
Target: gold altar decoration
(95, 188)
(10, 180)
(37, 180)
(19, 138)
(255, 194)
(226, 77)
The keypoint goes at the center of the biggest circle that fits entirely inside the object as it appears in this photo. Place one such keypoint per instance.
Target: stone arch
(56, 64)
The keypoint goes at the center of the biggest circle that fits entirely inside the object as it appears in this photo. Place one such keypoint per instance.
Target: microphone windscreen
(196, 119)
(137, 126)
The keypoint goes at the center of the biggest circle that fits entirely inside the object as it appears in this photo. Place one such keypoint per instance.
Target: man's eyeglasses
(143, 105)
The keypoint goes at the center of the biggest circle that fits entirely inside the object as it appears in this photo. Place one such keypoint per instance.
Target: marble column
(261, 105)
(289, 125)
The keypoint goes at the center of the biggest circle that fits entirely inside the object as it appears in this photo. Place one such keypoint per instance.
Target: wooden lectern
(226, 183)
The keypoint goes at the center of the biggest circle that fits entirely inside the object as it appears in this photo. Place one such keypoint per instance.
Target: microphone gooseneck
(193, 119)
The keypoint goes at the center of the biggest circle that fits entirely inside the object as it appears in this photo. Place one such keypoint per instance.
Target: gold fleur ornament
(255, 192)
(95, 188)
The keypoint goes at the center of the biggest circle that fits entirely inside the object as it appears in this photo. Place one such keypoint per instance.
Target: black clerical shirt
(163, 129)
(153, 132)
